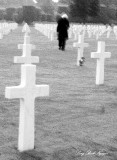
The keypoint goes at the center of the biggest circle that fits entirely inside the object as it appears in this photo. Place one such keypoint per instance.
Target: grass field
(78, 118)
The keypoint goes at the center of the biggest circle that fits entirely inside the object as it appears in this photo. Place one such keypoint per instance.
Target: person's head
(64, 15)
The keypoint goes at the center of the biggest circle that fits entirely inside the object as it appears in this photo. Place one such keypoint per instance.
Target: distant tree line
(84, 11)
(28, 14)
(81, 11)
(77, 9)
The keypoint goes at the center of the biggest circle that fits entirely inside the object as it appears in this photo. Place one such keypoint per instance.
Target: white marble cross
(27, 91)
(27, 49)
(26, 57)
(89, 33)
(26, 28)
(81, 45)
(109, 29)
(97, 35)
(27, 31)
(115, 31)
(100, 55)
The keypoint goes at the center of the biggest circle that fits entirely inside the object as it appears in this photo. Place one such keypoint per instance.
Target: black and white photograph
(58, 79)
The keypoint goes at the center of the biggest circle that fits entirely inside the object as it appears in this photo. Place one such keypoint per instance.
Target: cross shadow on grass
(32, 155)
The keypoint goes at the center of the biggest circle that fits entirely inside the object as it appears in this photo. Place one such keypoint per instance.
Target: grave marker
(81, 45)
(27, 49)
(100, 55)
(109, 29)
(26, 28)
(27, 91)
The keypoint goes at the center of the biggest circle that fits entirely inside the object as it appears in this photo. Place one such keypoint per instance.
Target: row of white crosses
(27, 91)
(92, 30)
(75, 30)
(5, 28)
(48, 30)
(81, 45)
(100, 55)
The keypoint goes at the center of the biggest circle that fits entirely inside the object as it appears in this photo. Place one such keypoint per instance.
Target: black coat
(62, 28)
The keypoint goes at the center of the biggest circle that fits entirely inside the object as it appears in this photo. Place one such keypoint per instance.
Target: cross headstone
(26, 28)
(109, 29)
(100, 55)
(51, 32)
(70, 32)
(80, 45)
(115, 31)
(27, 91)
(27, 49)
(75, 36)
(97, 35)
(27, 31)
(89, 33)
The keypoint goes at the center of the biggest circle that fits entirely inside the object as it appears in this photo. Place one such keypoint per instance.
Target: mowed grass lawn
(77, 117)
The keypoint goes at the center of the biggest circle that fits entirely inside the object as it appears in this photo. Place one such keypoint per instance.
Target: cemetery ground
(79, 119)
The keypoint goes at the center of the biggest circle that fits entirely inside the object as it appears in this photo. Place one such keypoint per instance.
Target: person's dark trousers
(62, 42)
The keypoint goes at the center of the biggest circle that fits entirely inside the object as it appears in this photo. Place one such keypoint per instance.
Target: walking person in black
(62, 30)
